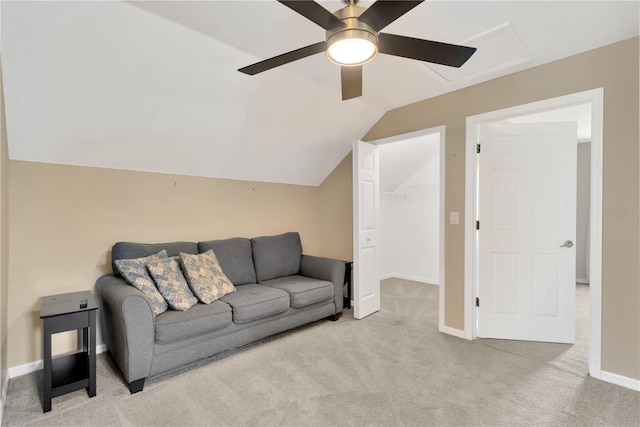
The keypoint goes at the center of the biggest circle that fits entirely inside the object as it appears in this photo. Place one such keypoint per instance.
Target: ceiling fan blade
(285, 58)
(314, 12)
(382, 13)
(424, 50)
(351, 82)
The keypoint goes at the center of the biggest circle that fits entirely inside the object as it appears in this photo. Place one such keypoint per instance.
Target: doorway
(410, 209)
(594, 98)
(437, 135)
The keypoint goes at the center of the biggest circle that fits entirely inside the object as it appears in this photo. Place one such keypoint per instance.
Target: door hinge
(477, 225)
(477, 302)
(478, 148)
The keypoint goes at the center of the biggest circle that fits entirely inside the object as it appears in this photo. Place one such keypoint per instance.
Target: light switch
(454, 218)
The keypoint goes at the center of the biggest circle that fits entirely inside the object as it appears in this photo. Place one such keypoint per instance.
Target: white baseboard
(583, 281)
(620, 380)
(28, 368)
(409, 277)
(452, 331)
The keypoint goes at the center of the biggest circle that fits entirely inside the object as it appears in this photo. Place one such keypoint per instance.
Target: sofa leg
(137, 385)
(335, 317)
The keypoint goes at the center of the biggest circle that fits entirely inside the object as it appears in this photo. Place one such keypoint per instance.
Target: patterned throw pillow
(135, 273)
(205, 277)
(171, 284)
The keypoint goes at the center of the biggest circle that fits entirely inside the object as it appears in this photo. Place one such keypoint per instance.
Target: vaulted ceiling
(154, 86)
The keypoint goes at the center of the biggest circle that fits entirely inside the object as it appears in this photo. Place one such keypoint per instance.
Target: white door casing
(366, 214)
(527, 209)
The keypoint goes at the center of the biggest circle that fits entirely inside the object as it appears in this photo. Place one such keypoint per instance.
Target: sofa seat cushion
(303, 291)
(253, 302)
(173, 326)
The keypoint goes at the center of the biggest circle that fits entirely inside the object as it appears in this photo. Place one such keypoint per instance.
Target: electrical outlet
(454, 218)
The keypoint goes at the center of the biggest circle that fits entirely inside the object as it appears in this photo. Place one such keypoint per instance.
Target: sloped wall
(336, 212)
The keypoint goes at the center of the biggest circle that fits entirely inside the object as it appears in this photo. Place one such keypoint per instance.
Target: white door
(527, 226)
(366, 214)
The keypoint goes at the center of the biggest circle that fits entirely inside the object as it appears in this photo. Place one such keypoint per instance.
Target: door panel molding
(366, 218)
(527, 207)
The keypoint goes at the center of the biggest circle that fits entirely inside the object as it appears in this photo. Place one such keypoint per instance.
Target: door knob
(567, 244)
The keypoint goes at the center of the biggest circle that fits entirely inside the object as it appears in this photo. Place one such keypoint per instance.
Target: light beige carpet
(391, 369)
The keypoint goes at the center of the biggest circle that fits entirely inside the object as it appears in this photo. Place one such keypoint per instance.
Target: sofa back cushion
(131, 250)
(235, 258)
(276, 256)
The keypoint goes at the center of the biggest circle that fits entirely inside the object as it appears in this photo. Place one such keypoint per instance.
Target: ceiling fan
(354, 38)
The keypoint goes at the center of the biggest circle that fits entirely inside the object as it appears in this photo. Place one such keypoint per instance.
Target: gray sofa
(277, 288)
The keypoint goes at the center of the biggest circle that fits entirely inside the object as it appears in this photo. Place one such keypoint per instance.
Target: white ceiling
(153, 86)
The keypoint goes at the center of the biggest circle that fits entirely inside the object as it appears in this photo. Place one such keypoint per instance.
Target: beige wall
(336, 195)
(614, 67)
(64, 220)
(4, 238)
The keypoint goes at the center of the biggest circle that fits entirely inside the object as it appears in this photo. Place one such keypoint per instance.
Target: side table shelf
(69, 373)
(64, 374)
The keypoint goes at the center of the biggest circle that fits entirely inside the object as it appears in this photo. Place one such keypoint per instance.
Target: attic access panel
(498, 49)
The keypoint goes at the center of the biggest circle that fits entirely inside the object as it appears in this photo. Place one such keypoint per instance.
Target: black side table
(64, 374)
(348, 283)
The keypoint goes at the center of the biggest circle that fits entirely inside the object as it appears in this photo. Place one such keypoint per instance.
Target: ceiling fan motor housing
(354, 29)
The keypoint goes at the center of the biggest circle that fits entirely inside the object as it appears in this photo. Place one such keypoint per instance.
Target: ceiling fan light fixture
(353, 38)
(352, 47)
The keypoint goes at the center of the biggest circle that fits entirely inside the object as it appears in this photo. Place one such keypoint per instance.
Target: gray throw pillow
(171, 283)
(135, 272)
(205, 277)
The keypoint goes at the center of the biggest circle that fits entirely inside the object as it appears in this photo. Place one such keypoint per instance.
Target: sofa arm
(128, 326)
(326, 269)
